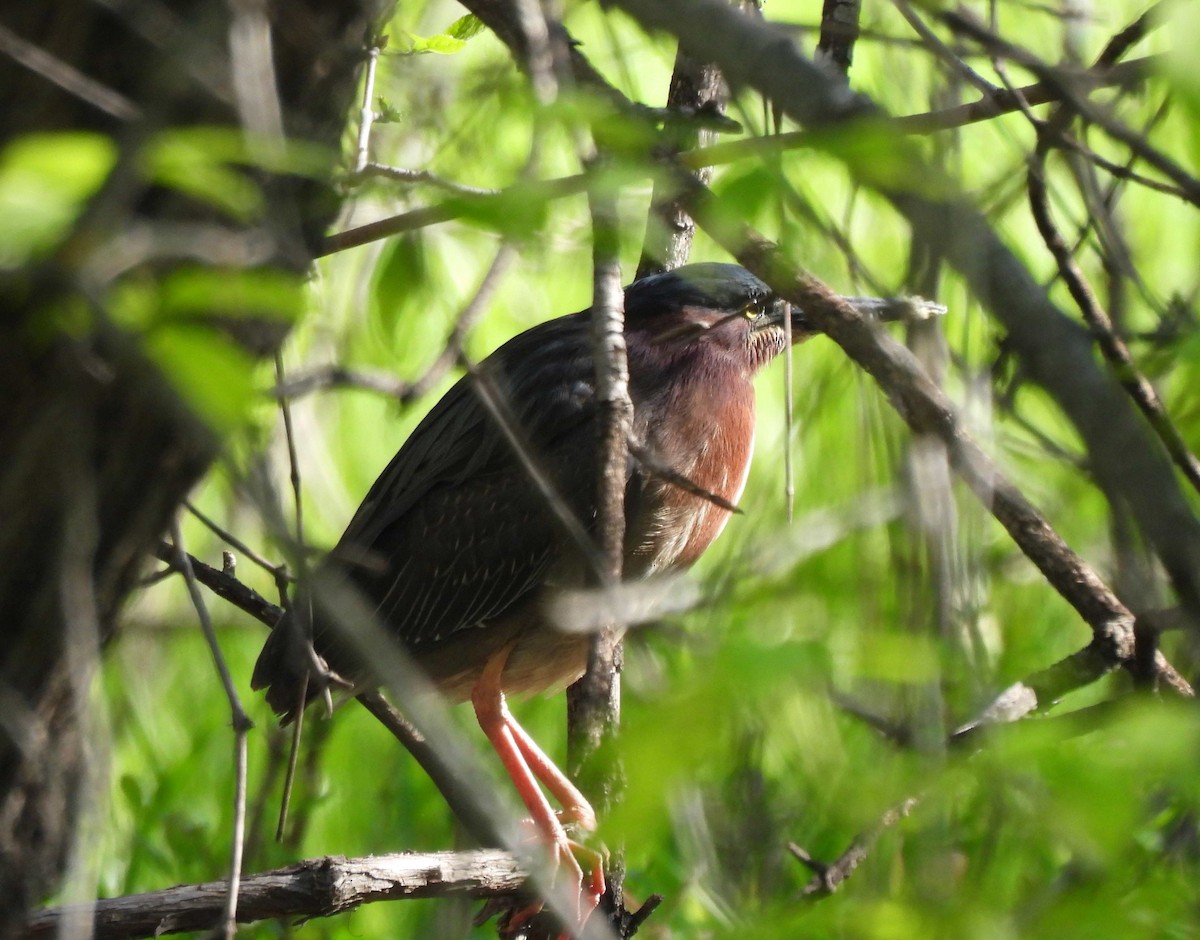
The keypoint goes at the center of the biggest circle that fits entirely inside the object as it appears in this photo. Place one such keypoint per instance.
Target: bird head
(719, 308)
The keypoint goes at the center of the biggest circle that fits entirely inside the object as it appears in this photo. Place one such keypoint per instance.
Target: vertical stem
(839, 32)
(594, 702)
(366, 117)
(789, 472)
(695, 86)
(241, 728)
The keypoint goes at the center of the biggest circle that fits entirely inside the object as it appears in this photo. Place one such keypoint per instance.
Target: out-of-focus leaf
(388, 113)
(199, 166)
(1180, 69)
(880, 157)
(750, 190)
(44, 181)
(897, 657)
(211, 163)
(191, 292)
(264, 293)
(401, 273)
(516, 212)
(211, 373)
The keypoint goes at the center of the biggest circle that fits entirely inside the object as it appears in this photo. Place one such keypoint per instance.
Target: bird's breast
(709, 442)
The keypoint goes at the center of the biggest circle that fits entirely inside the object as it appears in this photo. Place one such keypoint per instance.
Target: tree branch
(316, 887)
(827, 878)
(1055, 350)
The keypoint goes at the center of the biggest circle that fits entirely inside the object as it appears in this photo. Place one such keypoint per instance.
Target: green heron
(459, 552)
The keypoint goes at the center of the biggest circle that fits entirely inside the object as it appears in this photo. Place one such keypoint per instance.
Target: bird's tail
(284, 668)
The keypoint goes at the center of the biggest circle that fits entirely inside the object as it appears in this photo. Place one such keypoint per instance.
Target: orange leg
(526, 764)
(575, 806)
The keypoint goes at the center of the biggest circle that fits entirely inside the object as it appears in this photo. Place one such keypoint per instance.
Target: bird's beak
(781, 313)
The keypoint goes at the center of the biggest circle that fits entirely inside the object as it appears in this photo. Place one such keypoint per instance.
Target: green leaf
(442, 44)
(403, 270)
(209, 164)
(44, 181)
(878, 156)
(142, 304)
(199, 165)
(258, 293)
(465, 27)
(388, 113)
(751, 191)
(211, 373)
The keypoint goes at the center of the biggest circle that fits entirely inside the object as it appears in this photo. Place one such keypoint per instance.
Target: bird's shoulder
(541, 380)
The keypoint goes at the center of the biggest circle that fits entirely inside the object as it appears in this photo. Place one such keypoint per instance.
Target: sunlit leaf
(465, 27)
(44, 181)
(440, 44)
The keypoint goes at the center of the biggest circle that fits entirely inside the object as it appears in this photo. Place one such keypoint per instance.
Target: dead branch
(316, 887)
(827, 878)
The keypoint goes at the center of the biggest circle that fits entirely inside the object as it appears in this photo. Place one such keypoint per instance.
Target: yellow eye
(751, 311)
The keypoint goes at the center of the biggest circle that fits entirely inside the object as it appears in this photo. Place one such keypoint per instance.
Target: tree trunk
(98, 450)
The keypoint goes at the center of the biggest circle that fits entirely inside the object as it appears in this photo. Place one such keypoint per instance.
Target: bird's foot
(570, 821)
(585, 869)
(578, 814)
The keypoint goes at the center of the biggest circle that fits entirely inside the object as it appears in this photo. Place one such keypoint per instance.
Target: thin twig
(965, 23)
(789, 372)
(279, 572)
(366, 114)
(228, 588)
(285, 410)
(402, 175)
(1111, 345)
(293, 460)
(241, 728)
(650, 462)
(67, 77)
(829, 877)
(944, 53)
(493, 401)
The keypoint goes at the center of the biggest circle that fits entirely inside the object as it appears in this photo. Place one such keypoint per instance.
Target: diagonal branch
(926, 409)
(1055, 350)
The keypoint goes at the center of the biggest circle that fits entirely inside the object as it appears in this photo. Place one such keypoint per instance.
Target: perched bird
(459, 552)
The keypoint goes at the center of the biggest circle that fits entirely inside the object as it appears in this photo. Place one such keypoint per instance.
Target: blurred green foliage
(1079, 824)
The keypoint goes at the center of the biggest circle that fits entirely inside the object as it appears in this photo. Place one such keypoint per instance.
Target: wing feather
(453, 533)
